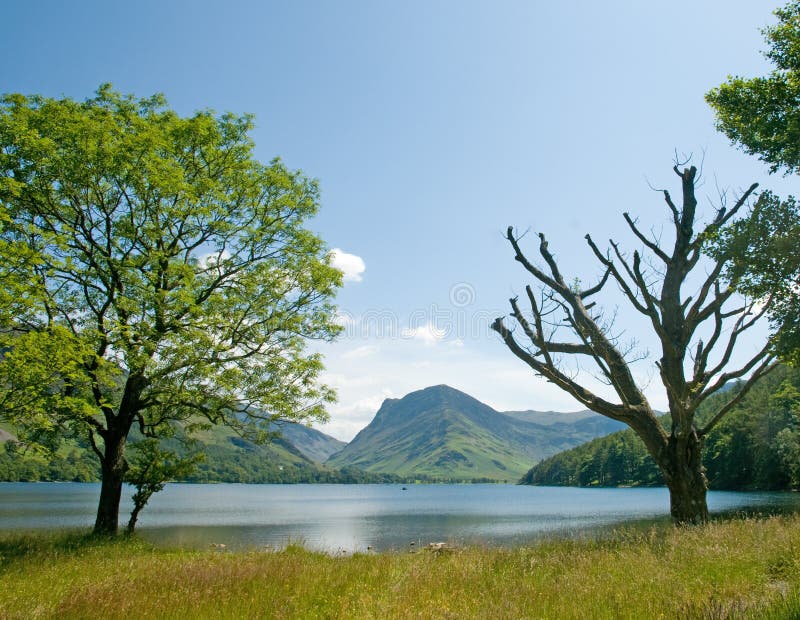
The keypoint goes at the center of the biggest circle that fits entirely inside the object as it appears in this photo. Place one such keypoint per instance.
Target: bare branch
(650, 245)
(584, 396)
(546, 347)
(676, 216)
(596, 289)
(652, 311)
(520, 257)
(675, 320)
(551, 262)
(93, 444)
(623, 284)
(741, 325)
(697, 314)
(724, 217)
(587, 343)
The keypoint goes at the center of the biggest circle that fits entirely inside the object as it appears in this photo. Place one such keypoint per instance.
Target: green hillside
(228, 458)
(757, 446)
(311, 443)
(73, 462)
(445, 434)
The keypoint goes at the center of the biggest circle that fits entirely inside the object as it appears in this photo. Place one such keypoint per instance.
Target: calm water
(353, 517)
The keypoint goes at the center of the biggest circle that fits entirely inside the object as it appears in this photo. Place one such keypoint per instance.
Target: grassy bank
(737, 568)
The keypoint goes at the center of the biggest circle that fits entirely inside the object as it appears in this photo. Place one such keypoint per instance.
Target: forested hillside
(757, 446)
(227, 458)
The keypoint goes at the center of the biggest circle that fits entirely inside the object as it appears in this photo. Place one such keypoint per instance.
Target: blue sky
(431, 127)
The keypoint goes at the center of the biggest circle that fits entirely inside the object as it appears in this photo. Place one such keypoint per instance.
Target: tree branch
(597, 287)
(650, 245)
(623, 284)
(532, 269)
(584, 396)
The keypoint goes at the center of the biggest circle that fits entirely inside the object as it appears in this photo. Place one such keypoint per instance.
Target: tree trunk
(113, 474)
(140, 499)
(134, 517)
(683, 470)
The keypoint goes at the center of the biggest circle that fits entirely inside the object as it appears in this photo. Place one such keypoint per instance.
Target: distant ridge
(315, 445)
(444, 433)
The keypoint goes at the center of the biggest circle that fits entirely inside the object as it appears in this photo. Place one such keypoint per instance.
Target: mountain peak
(439, 394)
(443, 388)
(425, 399)
(442, 432)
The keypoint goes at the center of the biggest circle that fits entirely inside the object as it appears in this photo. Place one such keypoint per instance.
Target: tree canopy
(765, 265)
(761, 115)
(155, 273)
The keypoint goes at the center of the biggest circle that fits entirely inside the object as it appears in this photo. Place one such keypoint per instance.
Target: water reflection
(354, 517)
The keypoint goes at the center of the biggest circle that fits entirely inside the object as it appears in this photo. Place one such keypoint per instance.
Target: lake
(334, 517)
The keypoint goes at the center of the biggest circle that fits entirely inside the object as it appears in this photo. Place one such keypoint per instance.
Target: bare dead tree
(690, 368)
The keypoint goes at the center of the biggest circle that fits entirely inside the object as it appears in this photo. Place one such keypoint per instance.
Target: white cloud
(351, 265)
(426, 333)
(348, 381)
(363, 351)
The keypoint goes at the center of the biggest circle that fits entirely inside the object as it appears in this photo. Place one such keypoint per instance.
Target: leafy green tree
(766, 247)
(787, 399)
(154, 274)
(151, 468)
(762, 116)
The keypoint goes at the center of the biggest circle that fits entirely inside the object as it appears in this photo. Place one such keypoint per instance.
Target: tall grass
(734, 569)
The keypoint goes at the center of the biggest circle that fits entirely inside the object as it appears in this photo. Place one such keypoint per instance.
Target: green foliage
(45, 385)
(168, 250)
(156, 272)
(787, 400)
(226, 458)
(616, 460)
(151, 468)
(68, 464)
(765, 265)
(742, 451)
(761, 114)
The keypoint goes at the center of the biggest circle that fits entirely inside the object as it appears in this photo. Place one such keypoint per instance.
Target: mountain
(311, 443)
(443, 433)
(547, 418)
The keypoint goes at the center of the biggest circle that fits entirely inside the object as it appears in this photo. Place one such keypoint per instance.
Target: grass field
(732, 569)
